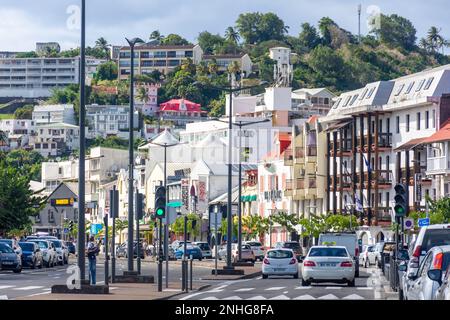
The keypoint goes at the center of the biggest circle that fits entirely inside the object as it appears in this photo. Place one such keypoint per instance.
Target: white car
(367, 256)
(48, 252)
(328, 264)
(62, 252)
(426, 281)
(257, 249)
(279, 262)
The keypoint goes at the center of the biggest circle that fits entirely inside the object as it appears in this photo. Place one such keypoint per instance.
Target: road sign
(175, 204)
(423, 222)
(66, 230)
(95, 228)
(408, 223)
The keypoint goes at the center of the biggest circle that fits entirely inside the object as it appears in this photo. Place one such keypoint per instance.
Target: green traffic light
(399, 210)
(160, 212)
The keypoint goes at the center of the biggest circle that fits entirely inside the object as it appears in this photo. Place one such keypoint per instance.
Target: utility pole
(359, 23)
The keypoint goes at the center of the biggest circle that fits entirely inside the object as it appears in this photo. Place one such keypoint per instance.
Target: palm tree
(156, 35)
(423, 43)
(232, 35)
(142, 94)
(434, 39)
(213, 67)
(103, 45)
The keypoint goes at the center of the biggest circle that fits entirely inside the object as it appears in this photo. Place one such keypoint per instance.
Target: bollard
(183, 282)
(191, 272)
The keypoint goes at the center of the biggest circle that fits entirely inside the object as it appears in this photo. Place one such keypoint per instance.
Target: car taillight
(437, 263)
(356, 251)
(266, 261)
(309, 263)
(346, 264)
(293, 261)
(417, 252)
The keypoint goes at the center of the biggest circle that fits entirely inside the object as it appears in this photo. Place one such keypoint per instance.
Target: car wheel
(200, 259)
(265, 276)
(19, 270)
(33, 266)
(376, 263)
(296, 276)
(305, 283)
(351, 283)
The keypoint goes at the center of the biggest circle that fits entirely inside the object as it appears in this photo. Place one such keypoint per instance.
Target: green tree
(28, 163)
(217, 107)
(209, 42)
(156, 35)
(174, 40)
(17, 202)
(324, 27)
(106, 71)
(309, 38)
(256, 27)
(25, 112)
(396, 31)
(103, 45)
(29, 54)
(232, 35)
(434, 40)
(288, 221)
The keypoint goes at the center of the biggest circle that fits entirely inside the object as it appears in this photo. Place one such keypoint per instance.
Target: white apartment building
(55, 139)
(18, 131)
(36, 77)
(224, 60)
(157, 57)
(376, 138)
(107, 120)
(44, 114)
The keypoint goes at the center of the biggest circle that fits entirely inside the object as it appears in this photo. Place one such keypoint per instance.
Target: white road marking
(280, 297)
(353, 297)
(171, 290)
(333, 288)
(210, 298)
(192, 295)
(3, 297)
(28, 288)
(257, 298)
(302, 288)
(305, 297)
(6, 287)
(328, 297)
(364, 288)
(274, 288)
(232, 298)
(244, 289)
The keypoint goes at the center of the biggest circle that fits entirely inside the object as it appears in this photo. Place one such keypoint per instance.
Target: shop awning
(411, 144)
(249, 198)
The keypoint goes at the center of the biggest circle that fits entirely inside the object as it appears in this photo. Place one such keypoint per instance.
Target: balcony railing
(299, 153)
(311, 151)
(438, 164)
(289, 184)
(300, 183)
(288, 155)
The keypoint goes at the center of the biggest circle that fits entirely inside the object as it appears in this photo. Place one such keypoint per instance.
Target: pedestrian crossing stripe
(280, 297)
(305, 297)
(328, 297)
(3, 297)
(5, 287)
(233, 298)
(28, 288)
(283, 297)
(274, 288)
(353, 297)
(244, 289)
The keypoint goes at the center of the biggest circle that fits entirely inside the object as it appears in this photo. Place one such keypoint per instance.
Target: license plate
(8, 262)
(328, 264)
(279, 269)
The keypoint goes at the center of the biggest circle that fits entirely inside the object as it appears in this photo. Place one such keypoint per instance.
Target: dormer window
(354, 99)
(337, 103)
(399, 90)
(347, 100)
(410, 86)
(428, 84)
(419, 87)
(363, 94)
(370, 93)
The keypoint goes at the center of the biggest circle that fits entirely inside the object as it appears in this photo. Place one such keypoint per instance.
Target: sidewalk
(122, 291)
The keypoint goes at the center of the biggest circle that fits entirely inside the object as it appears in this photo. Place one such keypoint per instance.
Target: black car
(122, 250)
(71, 247)
(9, 259)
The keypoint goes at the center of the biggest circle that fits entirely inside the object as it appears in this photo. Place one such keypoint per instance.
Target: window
(363, 94)
(410, 86)
(388, 160)
(399, 89)
(419, 87)
(51, 217)
(370, 93)
(388, 125)
(60, 170)
(387, 200)
(418, 120)
(427, 119)
(397, 120)
(354, 99)
(346, 101)
(434, 119)
(337, 103)
(428, 84)
(407, 123)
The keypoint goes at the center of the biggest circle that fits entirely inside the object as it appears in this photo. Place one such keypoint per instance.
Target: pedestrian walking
(92, 252)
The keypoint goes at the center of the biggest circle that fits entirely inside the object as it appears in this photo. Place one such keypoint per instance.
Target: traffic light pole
(105, 221)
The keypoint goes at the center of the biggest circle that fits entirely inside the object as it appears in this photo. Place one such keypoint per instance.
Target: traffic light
(400, 199)
(139, 206)
(70, 225)
(160, 202)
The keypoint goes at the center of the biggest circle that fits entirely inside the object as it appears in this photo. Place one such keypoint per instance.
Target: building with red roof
(181, 111)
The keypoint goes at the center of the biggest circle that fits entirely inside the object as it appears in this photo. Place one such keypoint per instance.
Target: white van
(347, 239)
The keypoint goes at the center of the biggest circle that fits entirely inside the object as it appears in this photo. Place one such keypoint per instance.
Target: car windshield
(434, 238)
(291, 245)
(254, 244)
(27, 246)
(279, 254)
(5, 248)
(42, 244)
(7, 241)
(203, 246)
(328, 252)
(57, 244)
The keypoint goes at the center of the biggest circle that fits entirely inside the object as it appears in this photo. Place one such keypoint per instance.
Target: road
(368, 287)
(39, 281)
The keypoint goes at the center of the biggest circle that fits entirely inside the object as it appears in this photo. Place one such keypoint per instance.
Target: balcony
(384, 177)
(384, 142)
(288, 190)
(299, 153)
(300, 184)
(288, 157)
(438, 165)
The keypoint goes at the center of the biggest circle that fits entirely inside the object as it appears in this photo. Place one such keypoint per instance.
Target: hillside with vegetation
(326, 55)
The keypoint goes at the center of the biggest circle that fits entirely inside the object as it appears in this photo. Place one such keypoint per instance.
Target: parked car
(62, 253)
(403, 258)
(206, 249)
(176, 244)
(428, 237)
(328, 264)
(48, 252)
(122, 250)
(221, 252)
(295, 246)
(14, 244)
(9, 259)
(191, 250)
(367, 256)
(71, 247)
(280, 262)
(257, 248)
(31, 255)
(443, 292)
(428, 278)
(246, 253)
(348, 240)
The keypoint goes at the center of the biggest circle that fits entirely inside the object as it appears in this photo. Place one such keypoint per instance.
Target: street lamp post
(130, 247)
(81, 165)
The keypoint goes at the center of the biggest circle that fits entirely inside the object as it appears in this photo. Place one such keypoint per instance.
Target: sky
(25, 22)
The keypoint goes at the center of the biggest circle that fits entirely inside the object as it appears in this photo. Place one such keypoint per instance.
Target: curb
(181, 293)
